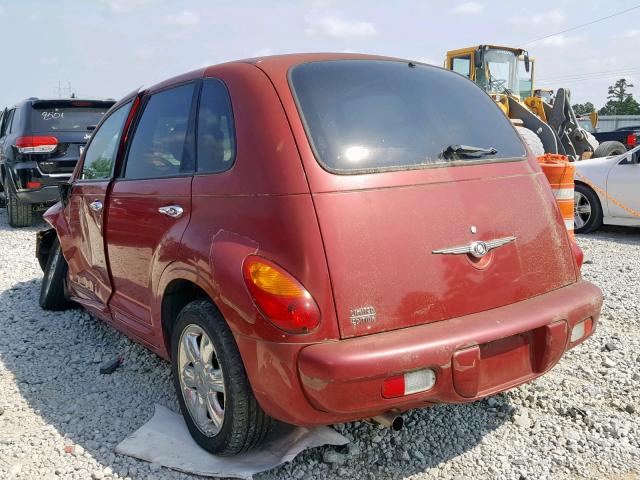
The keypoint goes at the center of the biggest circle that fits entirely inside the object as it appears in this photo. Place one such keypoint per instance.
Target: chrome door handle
(173, 211)
(96, 205)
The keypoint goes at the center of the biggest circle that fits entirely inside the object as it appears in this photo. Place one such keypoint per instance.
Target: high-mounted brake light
(36, 144)
(279, 296)
(632, 139)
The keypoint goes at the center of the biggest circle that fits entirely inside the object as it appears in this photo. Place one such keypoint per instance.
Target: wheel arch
(179, 288)
(177, 294)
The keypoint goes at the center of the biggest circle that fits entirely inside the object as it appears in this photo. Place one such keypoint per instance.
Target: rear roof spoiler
(72, 102)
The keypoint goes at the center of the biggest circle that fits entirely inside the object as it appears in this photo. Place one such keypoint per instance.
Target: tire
(609, 149)
(591, 220)
(53, 288)
(531, 140)
(244, 425)
(20, 213)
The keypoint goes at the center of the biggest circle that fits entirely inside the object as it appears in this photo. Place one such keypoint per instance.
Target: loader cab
(497, 70)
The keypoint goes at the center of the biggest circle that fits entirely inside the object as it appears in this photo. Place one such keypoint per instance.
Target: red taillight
(393, 387)
(632, 139)
(33, 184)
(36, 144)
(279, 296)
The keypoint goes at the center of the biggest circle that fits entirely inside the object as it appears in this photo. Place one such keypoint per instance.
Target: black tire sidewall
(595, 221)
(207, 318)
(19, 213)
(52, 290)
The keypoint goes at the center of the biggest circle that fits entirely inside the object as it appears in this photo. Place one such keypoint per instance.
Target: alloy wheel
(581, 210)
(201, 380)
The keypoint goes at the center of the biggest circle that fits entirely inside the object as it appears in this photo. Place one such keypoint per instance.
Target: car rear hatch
(396, 214)
(70, 122)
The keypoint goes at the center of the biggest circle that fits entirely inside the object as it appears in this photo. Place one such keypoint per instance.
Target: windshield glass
(499, 73)
(367, 115)
(58, 116)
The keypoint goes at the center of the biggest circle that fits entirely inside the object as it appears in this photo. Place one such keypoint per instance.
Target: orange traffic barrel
(560, 172)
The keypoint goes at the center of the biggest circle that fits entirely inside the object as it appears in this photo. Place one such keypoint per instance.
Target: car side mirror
(65, 192)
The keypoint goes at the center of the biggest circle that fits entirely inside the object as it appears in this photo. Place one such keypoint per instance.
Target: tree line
(619, 102)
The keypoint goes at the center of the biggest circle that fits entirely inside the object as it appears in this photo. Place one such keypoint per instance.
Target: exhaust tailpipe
(390, 420)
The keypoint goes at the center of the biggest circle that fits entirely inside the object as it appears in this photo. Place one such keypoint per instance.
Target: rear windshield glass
(50, 117)
(366, 115)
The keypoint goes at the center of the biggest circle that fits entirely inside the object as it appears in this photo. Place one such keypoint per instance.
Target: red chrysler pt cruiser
(318, 239)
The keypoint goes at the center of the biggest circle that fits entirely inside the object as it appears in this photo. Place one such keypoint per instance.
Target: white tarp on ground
(165, 439)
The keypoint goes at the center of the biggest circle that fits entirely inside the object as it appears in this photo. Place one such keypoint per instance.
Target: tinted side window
(6, 125)
(16, 120)
(101, 153)
(160, 146)
(216, 145)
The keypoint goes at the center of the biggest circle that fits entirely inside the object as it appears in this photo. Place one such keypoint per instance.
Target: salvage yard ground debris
(60, 418)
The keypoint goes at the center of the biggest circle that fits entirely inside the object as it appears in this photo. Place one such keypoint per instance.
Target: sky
(107, 48)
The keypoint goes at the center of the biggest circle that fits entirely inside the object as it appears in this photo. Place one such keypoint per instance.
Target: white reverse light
(419, 381)
(578, 331)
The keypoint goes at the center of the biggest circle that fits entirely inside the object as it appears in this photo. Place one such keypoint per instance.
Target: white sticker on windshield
(52, 115)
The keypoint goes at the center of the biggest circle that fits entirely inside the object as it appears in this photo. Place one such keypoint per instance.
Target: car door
(149, 204)
(623, 184)
(88, 273)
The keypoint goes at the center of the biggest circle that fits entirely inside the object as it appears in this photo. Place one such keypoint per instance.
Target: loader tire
(531, 140)
(609, 149)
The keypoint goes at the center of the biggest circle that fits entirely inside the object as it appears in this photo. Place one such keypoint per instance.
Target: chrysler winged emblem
(477, 248)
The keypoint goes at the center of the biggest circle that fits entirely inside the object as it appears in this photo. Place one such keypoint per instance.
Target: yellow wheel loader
(547, 124)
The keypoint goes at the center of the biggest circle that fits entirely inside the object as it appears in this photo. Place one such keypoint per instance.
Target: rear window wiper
(466, 151)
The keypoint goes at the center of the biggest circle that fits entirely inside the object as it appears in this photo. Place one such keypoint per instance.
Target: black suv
(40, 143)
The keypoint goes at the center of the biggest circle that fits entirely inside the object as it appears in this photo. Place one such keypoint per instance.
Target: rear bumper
(47, 195)
(473, 356)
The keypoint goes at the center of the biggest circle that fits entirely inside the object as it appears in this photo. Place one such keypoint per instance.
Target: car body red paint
(357, 241)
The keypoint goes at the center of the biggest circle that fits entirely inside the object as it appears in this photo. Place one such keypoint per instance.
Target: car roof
(272, 62)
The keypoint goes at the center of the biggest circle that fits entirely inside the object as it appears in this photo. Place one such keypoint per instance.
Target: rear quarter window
(216, 143)
(367, 115)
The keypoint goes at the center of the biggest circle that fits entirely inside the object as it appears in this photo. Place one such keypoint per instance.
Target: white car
(607, 191)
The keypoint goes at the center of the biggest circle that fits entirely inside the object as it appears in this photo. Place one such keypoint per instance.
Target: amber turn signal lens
(270, 280)
(279, 296)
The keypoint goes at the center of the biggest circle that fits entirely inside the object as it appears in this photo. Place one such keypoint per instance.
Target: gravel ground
(59, 418)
